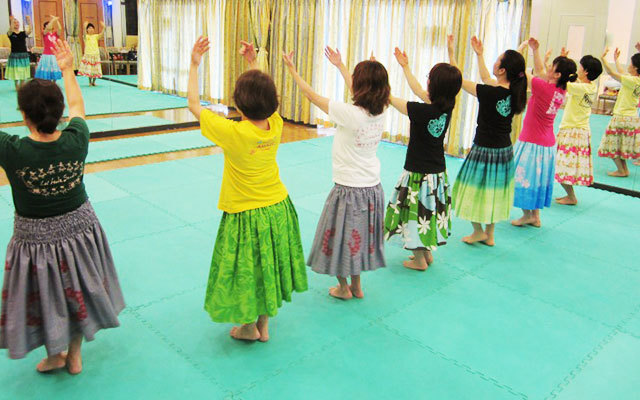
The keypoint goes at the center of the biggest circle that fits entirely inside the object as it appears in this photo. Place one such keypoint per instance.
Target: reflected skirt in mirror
(574, 165)
(622, 138)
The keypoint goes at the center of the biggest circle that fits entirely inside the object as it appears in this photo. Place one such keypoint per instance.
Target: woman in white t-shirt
(350, 234)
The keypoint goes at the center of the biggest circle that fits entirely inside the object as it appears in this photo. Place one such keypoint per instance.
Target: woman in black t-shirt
(419, 209)
(60, 285)
(483, 191)
(18, 65)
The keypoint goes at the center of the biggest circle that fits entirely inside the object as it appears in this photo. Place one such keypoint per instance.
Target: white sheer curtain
(165, 45)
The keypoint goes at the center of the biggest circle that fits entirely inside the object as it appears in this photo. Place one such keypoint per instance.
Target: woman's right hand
(333, 56)
(401, 57)
(288, 61)
(477, 46)
(63, 54)
(199, 49)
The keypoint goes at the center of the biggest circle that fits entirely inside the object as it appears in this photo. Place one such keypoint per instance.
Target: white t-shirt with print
(355, 162)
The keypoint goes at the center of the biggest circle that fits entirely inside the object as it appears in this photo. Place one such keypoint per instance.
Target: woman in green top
(60, 284)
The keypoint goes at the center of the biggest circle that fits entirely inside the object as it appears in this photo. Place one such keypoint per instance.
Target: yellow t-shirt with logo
(251, 178)
(91, 44)
(628, 97)
(577, 109)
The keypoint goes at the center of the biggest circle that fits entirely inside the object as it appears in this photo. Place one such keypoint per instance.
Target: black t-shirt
(495, 115)
(425, 154)
(18, 42)
(46, 178)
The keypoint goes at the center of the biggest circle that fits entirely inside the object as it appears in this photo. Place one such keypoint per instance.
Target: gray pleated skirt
(350, 234)
(59, 282)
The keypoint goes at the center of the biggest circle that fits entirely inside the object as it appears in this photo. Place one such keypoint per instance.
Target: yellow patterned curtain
(237, 27)
(260, 23)
(293, 29)
(72, 30)
(165, 46)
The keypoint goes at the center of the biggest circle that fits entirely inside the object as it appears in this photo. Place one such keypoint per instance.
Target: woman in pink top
(535, 150)
(48, 67)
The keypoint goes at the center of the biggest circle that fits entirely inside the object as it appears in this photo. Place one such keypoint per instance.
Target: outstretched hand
(402, 57)
(638, 46)
(616, 54)
(477, 46)
(372, 58)
(199, 49)
(450, 42)
(605, 53)
(333, 56)
(534, 44)
(248, 51)
(288, 61)
(547, 56)
(564, 52)
(63, 54)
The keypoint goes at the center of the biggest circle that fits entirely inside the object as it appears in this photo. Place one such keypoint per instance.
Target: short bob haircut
(370, 86)
(255, 95)
(42, 103)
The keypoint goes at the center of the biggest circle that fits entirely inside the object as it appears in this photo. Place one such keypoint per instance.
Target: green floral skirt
(257, 262)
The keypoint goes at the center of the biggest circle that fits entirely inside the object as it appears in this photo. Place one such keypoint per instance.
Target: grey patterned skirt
(350, 234)
(59, 282)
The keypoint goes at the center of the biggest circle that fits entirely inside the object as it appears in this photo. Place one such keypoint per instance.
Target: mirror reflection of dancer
(60, 285)
(90, 66)
(48, 66)
(621, 141)
(349, 237)
(19, 64)
(419, 210)
(535, 150)
(258, 261)
(483, 191)
(574, 164)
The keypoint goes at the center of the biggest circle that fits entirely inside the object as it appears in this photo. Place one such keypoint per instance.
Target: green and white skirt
(257, 263)
(484, 189)
(18, 67)
(420, 211)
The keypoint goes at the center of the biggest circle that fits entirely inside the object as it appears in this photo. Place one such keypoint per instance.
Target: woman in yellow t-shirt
(622, 139)
(91, 65)
(258, 259)
(573, 159)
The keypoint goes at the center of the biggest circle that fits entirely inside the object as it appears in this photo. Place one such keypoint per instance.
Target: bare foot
(341, 292)
(429, 258)
(566, 201)
(413, 264)
(245, 332)
(636, 163)
(74, 365)
(52, 363)
(489, 241)
(356, 292)
(263, 328)
(618, 174)
(475, 237)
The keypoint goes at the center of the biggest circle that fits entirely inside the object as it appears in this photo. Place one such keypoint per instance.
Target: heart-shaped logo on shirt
(504, 106)
(436, 126)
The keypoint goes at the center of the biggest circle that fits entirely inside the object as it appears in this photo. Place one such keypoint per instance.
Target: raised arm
(616, 58)
(607, 67)
(399, 104)
(193, 91)
(101, 33)
(248, 51)
(538, 62)
(414, 84)
(335, 58)
(467, 85)
(58, 27)
(28, 29)
(64, 57)
(485, 75)
(318, 100)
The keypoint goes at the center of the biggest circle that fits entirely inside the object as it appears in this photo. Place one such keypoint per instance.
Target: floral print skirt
(257, 263)
(573, 158)
(622, 138)
(349, 237)
(535, 171)
(419, 211)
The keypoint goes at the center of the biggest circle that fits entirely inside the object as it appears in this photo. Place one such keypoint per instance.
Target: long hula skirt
(483, 191)
(18, 67)
(622, 138)
(573, 158)
(535, 170)
(420, 211)
(349, 237)
(257, 263)
(48, 68)
(91, 66)
(59, 282)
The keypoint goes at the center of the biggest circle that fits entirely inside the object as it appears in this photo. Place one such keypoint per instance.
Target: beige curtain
(169, 28)
(293, 29)
(237, 26)
(260, 11)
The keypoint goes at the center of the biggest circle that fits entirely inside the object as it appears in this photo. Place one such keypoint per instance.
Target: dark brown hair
(256, 95)
(567, 69)
(371, 88)
(445, 82)
(514, 64)
(42, 103)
